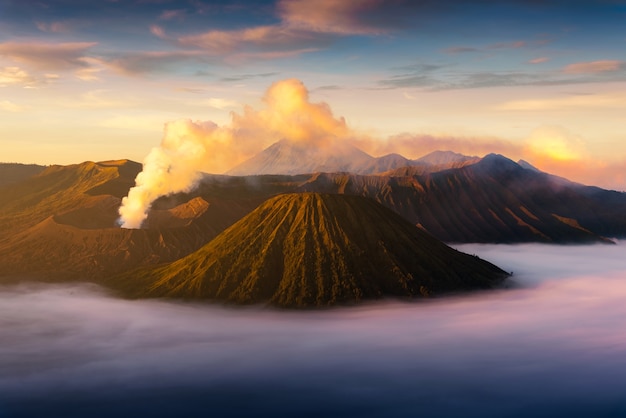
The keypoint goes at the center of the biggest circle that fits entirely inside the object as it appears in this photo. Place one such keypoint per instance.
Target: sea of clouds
(552, 344)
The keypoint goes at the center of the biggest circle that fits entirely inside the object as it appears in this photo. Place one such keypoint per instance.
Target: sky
(542, 80)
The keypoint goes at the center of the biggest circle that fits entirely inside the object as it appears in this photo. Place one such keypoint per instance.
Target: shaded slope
(305, 250)
(11, 173)
(493, 200)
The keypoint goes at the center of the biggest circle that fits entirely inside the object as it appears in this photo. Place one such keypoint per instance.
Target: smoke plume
(189, 147)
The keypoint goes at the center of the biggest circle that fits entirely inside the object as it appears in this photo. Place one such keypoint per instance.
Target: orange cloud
(594, 67)
(555, 143)
(275, 38)
(555, 150)
(587, 171)
(417, 145)
(539, 60)
(15, 76)
(305, 26)
(48, 56)
(329, 16)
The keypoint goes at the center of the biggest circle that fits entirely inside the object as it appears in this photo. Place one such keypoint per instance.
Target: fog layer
(553, 345)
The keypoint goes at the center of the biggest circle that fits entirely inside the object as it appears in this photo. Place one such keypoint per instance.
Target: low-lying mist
(552, 345)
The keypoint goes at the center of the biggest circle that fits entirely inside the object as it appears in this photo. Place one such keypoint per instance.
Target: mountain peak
(311, 249)
(497, 162)
(289, 157)
(443, 157)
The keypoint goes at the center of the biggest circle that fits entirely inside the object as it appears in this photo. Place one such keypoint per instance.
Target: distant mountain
(384, 163)
(11, 173)
(432, 163)
(446, 158)
(288, 157)
(312, 250)
(493, 200)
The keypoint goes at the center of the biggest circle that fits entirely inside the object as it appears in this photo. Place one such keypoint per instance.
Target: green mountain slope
(311, 250)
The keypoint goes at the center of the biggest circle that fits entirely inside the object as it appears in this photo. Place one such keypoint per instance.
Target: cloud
(595, 67)
(555, 344)
(304, 27)
(556, 150)
(459, 49)
(142, 62)
(496, 46)
(417, 145)
(440, 80)
(581, 101)
(277, 39)
(158, 31)
(15, 76)
(334, 16)
(219, 103)
(48, 56)
(178, 14)
(55, 27)
(508, 45)
(9, 106)
(242, 77)
(446, 81)
(555, 143)
(190, 147)
(539, 60)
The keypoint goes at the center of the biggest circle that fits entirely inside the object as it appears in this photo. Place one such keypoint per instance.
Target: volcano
(313, 250)
(288, 157)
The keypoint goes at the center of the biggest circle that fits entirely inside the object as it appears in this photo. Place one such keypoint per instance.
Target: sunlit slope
(61, 224)
(309, 250)
(61, 189)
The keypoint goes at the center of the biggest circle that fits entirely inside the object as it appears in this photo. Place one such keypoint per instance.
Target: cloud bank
(552, 347)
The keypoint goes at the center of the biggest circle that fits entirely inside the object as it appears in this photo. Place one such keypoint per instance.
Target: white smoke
(189, 147)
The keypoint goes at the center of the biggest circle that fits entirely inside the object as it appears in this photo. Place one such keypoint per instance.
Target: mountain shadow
(313, 250)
